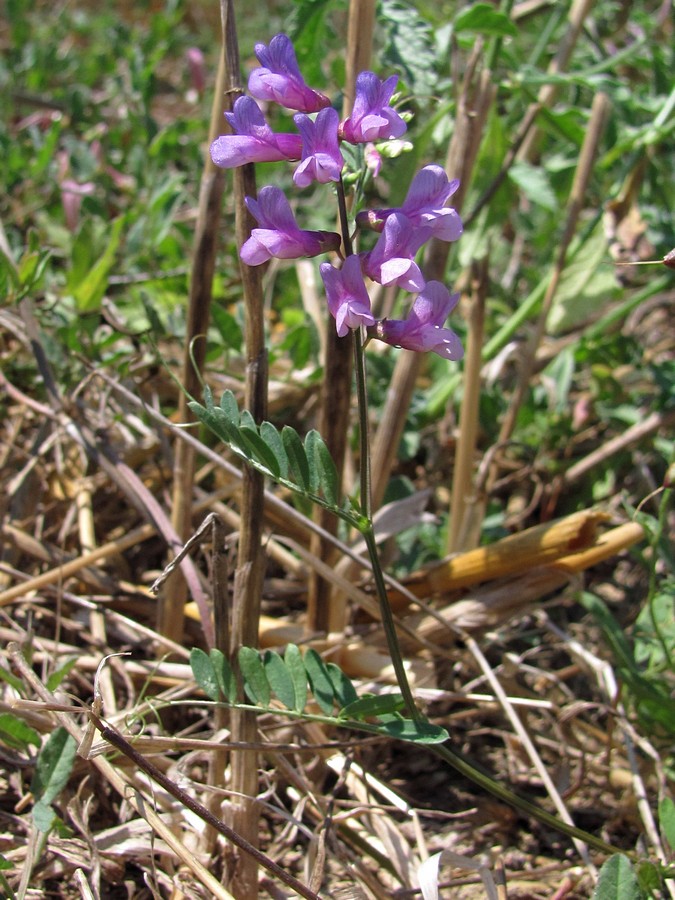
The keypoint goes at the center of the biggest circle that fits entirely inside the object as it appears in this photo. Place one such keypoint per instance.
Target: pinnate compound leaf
(319, 679)
(204, 673)
(16, 734)
(272, 438)
(485, 19)
(298, 673)
(297, 457)
(54, 765)
(256, 685)
(344, 690)
(279, 678)
(617, 880)
(225, 677)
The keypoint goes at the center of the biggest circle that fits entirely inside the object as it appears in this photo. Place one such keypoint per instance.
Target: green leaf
(586, 285)
(9, 678)
(228, 327)
(43, 816)
(322, 466)
(310, 453)
(534, 183)
(373, 705)
(418, 732)
(54, 765)
(613, 633)
(261, 451)
(89, 292)
(204, 672)
(279, 678)
(228, 404)
(225, 677)
(272, 438)
(319, 679)
(484, 19)
(650, 879)
(57, 677)
(667, 820)
(256, 685)
(298, 673)
(297, 458)
(16, 734)
(344, 690)
(617, 880)
(309, 32)
(409, 46)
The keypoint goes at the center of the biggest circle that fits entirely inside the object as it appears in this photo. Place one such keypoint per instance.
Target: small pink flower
(71, 197)
(197, 68)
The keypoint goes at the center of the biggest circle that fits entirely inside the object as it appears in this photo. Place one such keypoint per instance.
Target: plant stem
(344, 218)
(364, 436)
(365, 525)
(388, 623)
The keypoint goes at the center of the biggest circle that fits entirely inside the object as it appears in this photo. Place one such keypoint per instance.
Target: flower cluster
(316, 149)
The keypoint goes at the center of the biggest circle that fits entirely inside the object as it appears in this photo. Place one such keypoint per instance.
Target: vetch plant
(306, 467)
(402, 232)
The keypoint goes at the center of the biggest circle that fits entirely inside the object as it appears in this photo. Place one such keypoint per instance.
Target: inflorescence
(316, 146)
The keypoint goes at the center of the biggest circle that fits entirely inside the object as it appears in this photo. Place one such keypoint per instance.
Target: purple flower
(321, 157)
(424, 205)
(254, 141)
(391, 261)
(372, 118)
(279, 78)
(423, 330)
(348, 298)
(279, 235)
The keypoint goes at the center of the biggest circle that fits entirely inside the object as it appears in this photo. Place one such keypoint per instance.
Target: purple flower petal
(321, 157)
(372, 118)
(254, 140)
(391, 261)
(348, 299)
(423, 205)
(279, 78)
(279, 235)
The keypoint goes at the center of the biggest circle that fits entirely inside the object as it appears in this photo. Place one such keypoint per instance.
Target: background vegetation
(561, 685)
